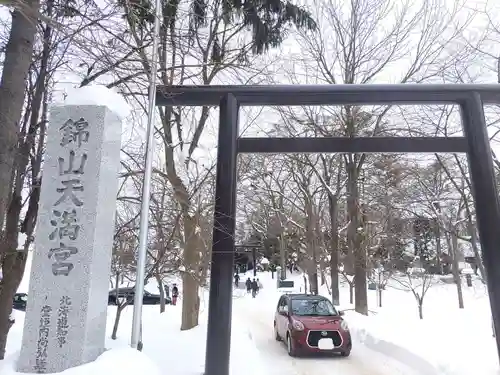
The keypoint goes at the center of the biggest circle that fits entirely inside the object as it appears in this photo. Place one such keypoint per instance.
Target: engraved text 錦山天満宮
(65, 212)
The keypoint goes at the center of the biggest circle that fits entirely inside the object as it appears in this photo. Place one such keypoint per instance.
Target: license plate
(326, 344)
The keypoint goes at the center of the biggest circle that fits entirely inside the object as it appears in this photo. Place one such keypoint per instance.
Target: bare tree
(446, 209)
(417, 281)
(462, 186)
(344, 50)
(303, 175)
(16, 66)
(202, 47)
(24, 112)
(122, 267)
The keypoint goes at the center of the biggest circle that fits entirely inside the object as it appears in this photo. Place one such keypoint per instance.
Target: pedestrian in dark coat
(255, 288)
(248, 284)
(175, 294)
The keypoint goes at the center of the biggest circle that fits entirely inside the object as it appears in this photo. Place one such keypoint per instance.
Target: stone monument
(65, 323)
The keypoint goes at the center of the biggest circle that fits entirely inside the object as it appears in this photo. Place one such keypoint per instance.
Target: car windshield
(313, 307)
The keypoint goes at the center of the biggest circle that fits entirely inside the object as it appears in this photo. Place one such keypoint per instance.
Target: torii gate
(475, 143)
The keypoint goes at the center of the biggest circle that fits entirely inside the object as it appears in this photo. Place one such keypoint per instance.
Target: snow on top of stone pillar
(98, 95)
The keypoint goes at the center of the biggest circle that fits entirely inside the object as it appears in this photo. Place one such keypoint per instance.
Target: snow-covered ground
(448, 341)
(452, 341)
(166, 349)
(392, 341)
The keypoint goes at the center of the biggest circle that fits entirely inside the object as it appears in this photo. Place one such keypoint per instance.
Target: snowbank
(122, 361)
(427, 347)
(442, 343)
(362, 330)
(119, 359)
(187, 352)
(166, 347)
(448, 341)
(179, 352)
(98, 95)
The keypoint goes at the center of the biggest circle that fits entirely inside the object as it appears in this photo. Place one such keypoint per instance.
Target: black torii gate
(475, 143)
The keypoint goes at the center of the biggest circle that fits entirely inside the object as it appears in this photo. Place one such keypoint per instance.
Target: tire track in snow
(274, 353)
(362, 361)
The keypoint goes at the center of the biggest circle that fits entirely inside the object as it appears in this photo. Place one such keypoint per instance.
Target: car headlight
(344, 325)
(298, 326)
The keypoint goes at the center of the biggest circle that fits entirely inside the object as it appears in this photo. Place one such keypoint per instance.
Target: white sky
(286, 59)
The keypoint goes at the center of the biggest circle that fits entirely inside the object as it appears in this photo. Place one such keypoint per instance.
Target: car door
(277, 315)
(282, 319)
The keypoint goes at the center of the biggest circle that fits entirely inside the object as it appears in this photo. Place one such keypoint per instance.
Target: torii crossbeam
(475, 144)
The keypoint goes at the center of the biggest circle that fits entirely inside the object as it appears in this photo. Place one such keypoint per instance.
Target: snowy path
(362, 361)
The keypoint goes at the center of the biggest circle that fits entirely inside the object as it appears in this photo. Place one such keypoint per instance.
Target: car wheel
(289, 346)
(346, 353)
(276, 334)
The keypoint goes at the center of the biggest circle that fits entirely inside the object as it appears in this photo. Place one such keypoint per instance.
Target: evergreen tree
(268, 20)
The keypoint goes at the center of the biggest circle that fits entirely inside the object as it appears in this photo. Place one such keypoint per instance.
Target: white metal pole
(146, 182)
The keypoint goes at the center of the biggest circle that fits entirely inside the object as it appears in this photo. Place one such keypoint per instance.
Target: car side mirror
(284, 311)
(341, 313)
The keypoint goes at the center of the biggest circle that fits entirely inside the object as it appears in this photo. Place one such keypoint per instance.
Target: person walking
(248, 284)
(236, 280)
(255, 288)
(175, 294)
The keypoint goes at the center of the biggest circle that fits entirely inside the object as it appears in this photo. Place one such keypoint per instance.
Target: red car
(311, 324)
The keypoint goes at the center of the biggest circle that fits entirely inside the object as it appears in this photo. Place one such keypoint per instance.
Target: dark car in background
(129, 293)
(311, 324)
(19, 301)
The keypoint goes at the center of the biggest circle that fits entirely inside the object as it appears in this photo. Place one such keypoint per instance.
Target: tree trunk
(334, 245)
(190, 284)
(119, 306)
(358, 251)
(420, 309)
(162, 292)
(334, 230)
(14, 261)
(438, 249)
(351, 293)
(379, 296)
(13, 265)
(282, 256)
(313, 283)
(475, 248)
(312, 266)
(18, 56)
(455, 270)
(12, 268)
(119, 309)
